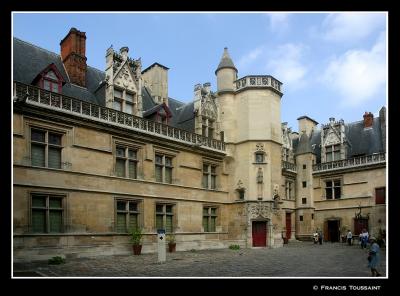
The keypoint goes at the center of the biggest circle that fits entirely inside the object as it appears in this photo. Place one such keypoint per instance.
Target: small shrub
(234, 247)
(57, 260)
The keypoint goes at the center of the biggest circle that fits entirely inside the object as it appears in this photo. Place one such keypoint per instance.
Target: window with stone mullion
(47, 214)
(45, 149)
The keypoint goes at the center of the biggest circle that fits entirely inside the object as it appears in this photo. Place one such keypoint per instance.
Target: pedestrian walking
(374, 257)
(320, 236)
(364, 236)
(349, 237)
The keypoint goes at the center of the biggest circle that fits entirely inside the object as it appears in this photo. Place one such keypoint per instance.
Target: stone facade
(222, 170)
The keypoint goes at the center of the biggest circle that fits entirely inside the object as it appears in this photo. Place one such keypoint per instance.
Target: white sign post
(161, 245)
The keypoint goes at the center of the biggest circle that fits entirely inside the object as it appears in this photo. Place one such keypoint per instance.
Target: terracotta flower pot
(137, 249)
(172, 247)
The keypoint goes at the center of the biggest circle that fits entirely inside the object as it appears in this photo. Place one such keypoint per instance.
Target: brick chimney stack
(73, 48)
(368, 119)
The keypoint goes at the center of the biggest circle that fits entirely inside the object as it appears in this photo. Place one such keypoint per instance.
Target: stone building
(97, 153)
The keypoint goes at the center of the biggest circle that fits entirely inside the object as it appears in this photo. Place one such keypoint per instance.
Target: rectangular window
(289, 189)
(209, 219)
(46, 148)
(304, 200)
(124, 101)
(259, 157)
(165, 217)
(285, 154)
(332, 153)
(304, 184)
(380, 194)
(333, 189)
(163, 168)
(304, 166)
(241, 194)
(127, 215)
(209, 176)
(47, 213)
(301, 218)
(312, 216)
(126, 162)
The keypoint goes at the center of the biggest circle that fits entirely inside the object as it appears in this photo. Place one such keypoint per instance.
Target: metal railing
(351, 162)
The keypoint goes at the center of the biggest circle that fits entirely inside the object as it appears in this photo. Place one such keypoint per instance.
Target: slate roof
(361, 141)
(29, 60)
(226, 61)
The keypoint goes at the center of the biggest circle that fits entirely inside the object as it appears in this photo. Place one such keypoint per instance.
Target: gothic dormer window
(124, 101)
(50, 79)
(332, 152)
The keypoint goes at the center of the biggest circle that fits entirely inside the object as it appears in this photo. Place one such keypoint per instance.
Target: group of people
(373, 254)
(317, 237)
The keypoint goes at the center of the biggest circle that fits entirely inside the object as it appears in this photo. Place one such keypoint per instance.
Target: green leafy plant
(56, 260)
(136, 236)
(171, 238)
(234, 247)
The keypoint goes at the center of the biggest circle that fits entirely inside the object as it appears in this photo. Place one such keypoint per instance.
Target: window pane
(205, 181)
(329, 184)
(120, 167)
(121, 205)
(159, 222)
(337, 182)
(120, 151)
(38, 153)
(38, 201)
(241, 194)
(158, 159)
(328, 149)
(168, 209)
(54, 158)
(205, 211)
(117, 94)
(159, 209)
(38, 220)
(337, 192)
(51, 75)
(168, 161)
(55, 221)
(46, 84)
(117, 105)
(259, 157)
(205, 168)
(38, 136)
(212, 224)
(168, 226)
(204, 131)
(129, 97)
(213, 182)
(54, 139)
(328, 193)
(132, 154)
(133, 221)
(158, 173)
(213, 170)
(168, 175)
(55, 203)
(121, 222)
(132, 170)
(205, 224)
(329, 157)
(213, 211)
(128, 108)
(133, 206)
(336, 155)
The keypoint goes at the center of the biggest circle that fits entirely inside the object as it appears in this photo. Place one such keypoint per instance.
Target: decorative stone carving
(259, 210)
(260, 147)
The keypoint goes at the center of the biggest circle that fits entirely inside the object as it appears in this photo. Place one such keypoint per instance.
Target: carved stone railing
(351, 162)
(258, 81)
(291, 167)
(39, 97)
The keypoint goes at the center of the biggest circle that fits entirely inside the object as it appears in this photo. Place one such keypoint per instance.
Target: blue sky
(330, 64)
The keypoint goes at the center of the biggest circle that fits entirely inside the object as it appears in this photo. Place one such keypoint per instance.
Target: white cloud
(349, 27)
(279, 21)
(250, 57)
(358, 75)
(287, 66)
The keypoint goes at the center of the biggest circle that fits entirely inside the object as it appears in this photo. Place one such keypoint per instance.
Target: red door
(288, 225)
(259, 232)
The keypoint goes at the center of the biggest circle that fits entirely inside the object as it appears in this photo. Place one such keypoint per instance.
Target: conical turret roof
(226, 61)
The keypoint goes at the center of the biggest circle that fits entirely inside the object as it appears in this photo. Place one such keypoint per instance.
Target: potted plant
(171, 242)
(136, 239)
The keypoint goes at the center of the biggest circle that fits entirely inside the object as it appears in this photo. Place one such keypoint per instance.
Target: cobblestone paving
(300, 259)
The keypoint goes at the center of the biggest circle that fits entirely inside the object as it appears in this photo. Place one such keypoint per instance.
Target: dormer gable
(159, 113)
(49, 79)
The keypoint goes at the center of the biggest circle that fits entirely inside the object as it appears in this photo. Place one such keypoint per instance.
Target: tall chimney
(368, 119)
(73, 48)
